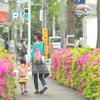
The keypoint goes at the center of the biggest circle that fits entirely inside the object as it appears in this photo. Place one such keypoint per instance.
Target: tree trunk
(98, 22)
(70, 21)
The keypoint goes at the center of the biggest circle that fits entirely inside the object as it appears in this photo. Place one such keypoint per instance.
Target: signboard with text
(6, 29)
(79, 2)
(2, 16)
(21, 1)
(45, 40)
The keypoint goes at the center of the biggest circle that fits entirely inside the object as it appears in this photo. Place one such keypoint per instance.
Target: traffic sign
(16, 16)
(79, 2)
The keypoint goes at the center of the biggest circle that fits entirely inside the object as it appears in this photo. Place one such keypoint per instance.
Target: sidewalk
(55, 91)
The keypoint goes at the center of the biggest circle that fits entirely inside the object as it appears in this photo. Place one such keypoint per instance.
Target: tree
(53, 11)
(36, 25)
(11, 5)
(70, 19)
(98, 21)
(53, 8)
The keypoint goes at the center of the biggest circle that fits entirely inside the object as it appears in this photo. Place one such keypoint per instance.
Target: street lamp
(29, 31)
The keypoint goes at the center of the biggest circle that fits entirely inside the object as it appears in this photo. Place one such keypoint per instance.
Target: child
(23, 75)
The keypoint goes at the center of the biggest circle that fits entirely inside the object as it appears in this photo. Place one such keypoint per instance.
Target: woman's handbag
(38, 58)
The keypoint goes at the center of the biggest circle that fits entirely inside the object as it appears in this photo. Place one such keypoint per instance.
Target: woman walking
(39, 68)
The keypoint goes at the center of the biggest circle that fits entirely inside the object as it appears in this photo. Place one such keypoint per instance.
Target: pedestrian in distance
(39, 67)
(1, 41)
(22, 48)
(23, 75)
(6, 45)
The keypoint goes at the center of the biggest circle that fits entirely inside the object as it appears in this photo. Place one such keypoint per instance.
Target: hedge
(78, 69)
(7, 76)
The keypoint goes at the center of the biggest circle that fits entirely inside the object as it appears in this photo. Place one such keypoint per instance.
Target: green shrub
(78, 69)
(7, 76)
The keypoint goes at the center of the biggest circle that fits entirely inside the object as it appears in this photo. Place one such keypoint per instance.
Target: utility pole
(62, 25)
(20, 21)
(44, 14)
(15, 30)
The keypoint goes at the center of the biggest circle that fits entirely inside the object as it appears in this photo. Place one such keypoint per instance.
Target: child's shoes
(22, 93)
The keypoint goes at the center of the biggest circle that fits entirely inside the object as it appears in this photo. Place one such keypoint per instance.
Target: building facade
(4, 6)
(91, 2)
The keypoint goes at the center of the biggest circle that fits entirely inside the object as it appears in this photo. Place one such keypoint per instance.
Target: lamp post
(29, 30)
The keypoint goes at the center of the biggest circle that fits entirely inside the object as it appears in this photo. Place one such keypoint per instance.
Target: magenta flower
(94, 75)
(1, 91)
(8, 97)
(67, 66)
(79, 69)
(75, 53)
(92, 64)
(67, 74)
(82, 82)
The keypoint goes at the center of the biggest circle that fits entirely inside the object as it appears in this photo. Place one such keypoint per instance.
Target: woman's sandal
(43, 90)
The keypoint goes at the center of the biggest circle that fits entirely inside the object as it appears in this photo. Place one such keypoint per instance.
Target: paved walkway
(55, 91)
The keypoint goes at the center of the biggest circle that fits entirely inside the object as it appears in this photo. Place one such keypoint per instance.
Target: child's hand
(29, 68)
(29, 64)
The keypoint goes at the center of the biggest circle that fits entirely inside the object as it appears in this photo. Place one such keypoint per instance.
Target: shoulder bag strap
(43, 47)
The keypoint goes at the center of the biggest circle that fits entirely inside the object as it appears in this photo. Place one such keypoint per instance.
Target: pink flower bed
(78, 69)
(7, 76)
